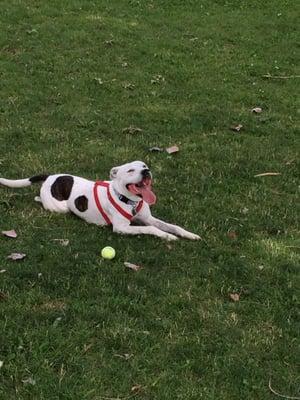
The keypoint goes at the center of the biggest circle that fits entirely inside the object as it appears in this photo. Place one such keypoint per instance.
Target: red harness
(113, 202)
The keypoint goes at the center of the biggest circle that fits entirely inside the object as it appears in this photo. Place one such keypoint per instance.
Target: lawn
(212, 320)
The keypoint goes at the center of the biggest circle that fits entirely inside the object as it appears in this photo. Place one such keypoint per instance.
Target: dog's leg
(173, 229)
(143, 230)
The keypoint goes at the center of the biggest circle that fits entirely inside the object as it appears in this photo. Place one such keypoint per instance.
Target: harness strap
(97, 200)
(113, 202)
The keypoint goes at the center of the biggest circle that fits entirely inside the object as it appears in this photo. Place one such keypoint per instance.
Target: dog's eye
(130, 170)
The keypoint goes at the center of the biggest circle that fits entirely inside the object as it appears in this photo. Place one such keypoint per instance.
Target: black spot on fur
(81, 203)
(62, 187)
(38, 178)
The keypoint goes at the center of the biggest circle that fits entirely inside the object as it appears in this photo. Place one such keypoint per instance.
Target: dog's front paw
(193, 236)
(170, 237)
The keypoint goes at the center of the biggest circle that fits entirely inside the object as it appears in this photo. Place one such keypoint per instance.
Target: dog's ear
(113, 173)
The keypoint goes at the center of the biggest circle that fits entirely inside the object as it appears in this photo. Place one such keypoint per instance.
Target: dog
(120, 202)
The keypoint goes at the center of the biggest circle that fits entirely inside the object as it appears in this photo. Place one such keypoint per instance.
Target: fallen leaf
(1, 364)
(267, 174)
(256, 110)
(136, 388)
(236, 128)
(53, 305)
(3, 296)
(2, 271)
(234, 296)
(232, 235)
(10, 234)
(172, 149)
(153, 149)
(16, 256)
(157, 79)
(63, 242)
(134, 267)
(132, 129)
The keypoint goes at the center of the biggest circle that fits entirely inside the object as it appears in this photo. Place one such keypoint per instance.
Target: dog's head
(134, 180)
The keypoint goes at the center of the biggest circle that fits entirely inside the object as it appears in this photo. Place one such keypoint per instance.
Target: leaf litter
(236, 128)
(132, 130)
(172, 149)
(16, 256)
(63, 242)
(134, 267)
(11, 234)
(234, 297)
(257, 110)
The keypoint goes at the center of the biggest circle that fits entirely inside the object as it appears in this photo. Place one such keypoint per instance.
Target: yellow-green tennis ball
(108, 252)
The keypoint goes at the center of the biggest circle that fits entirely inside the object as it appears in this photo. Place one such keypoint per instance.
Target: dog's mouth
(143, 189)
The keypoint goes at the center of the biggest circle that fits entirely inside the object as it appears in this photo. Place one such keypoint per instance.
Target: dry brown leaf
(3, 296)
(11, 234)
(236, 128)
(267, 174)
(256, 110)
(132, 129)
(172, 149)
(63, 242)
(53, 305)
(16, 256)
(134, 267)
(136, 389)
(232, 235)
(157, 79)
(234, 296)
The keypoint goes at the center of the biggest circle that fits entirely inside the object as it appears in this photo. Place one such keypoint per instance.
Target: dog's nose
(146, 173)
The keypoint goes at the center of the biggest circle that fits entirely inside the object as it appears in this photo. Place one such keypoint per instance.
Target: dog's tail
(22, 182)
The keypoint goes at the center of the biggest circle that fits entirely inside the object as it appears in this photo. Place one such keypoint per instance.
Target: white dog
(124, 199)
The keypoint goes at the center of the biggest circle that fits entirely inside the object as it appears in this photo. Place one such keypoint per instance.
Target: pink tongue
(146, 193)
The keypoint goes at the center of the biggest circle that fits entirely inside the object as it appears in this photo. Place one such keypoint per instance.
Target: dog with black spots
(123, 202)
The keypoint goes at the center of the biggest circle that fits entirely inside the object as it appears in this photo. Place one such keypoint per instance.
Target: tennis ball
(108, 252)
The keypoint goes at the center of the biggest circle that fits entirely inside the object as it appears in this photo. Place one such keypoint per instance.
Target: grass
(74, 74)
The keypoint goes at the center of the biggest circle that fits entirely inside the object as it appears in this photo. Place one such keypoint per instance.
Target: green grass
(74, 74)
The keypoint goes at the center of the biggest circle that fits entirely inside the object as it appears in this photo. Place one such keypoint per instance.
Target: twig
(267, 174)
(282, 395)
(280, 76)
